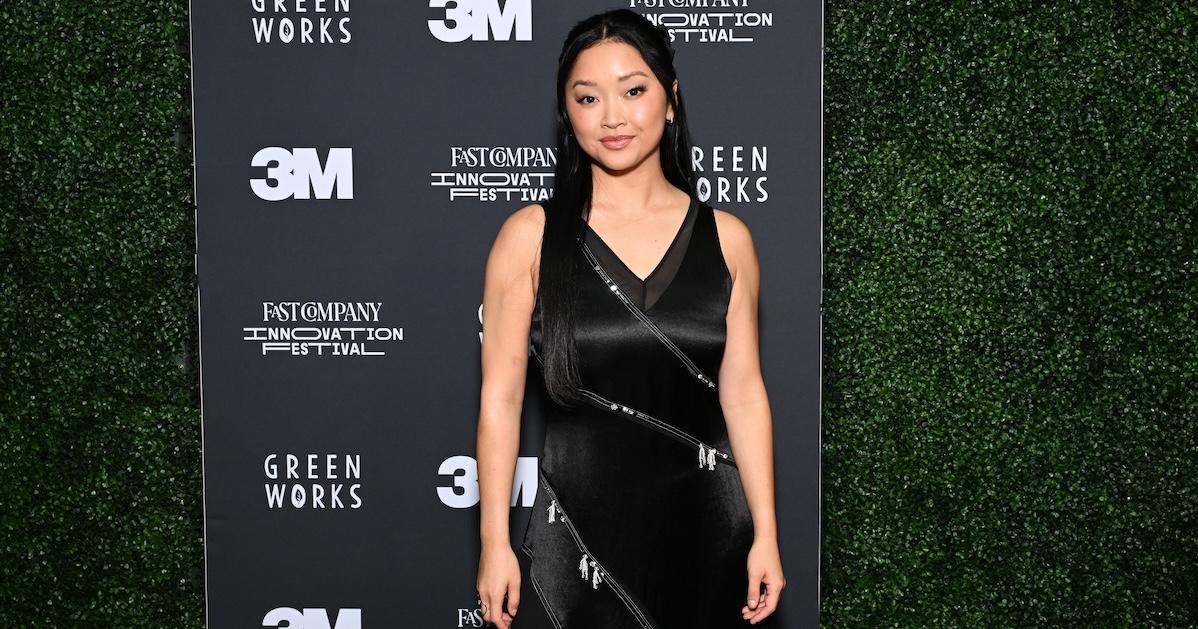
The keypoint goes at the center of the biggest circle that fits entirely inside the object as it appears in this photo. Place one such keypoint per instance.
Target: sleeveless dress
(640, 519)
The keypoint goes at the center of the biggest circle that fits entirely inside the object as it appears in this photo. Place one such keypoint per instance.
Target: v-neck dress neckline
(646, 292)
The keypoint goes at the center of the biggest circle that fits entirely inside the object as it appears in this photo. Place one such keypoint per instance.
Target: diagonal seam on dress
(642, 618)
(614, 288)
(665, 427)
(662, 426)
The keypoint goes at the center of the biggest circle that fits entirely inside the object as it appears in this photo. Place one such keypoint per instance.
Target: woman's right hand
(499, 576)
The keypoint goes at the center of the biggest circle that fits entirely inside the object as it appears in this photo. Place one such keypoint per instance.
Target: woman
(629, 528)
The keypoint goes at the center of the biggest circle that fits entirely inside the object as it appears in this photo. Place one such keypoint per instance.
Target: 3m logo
(311, 618)
(464, 472)
(295, 173)
(477, 19)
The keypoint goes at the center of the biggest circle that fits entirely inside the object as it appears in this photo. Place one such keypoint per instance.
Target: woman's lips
(617, 142)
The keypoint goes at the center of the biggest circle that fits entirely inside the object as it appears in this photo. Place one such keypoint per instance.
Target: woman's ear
(670, 108)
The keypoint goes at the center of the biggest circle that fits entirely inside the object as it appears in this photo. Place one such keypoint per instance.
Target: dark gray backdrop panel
(407, 105)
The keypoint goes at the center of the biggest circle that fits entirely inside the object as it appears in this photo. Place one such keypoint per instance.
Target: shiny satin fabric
(640, 518)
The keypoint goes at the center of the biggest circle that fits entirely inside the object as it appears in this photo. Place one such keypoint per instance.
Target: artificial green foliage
(1011, 372)
(100, 491)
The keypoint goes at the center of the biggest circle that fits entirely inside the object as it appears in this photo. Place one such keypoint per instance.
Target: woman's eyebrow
(623, 78)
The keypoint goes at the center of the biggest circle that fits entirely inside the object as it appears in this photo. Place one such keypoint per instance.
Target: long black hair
(572, 190)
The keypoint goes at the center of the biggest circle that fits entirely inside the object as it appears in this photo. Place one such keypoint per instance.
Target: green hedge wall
(1010, 401)
(100, 491)
(1011, 375)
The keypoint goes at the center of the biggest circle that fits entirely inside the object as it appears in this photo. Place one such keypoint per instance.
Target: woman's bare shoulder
(518, 243)
(729, 224)
(522, 226)
(736, 240)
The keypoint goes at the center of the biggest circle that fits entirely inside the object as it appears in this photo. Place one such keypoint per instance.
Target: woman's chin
(619, 165)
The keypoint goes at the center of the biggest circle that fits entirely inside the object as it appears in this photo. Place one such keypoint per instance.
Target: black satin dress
(640, 519)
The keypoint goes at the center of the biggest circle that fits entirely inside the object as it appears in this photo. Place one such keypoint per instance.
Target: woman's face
(616, 105)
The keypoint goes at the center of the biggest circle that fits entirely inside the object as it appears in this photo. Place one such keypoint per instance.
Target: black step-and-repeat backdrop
(354, 162)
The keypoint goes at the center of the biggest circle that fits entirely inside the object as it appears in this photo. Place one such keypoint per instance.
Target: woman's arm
(509, 294)
(741, 387)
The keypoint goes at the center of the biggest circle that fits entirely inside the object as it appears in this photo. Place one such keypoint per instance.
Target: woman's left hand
(765, 568)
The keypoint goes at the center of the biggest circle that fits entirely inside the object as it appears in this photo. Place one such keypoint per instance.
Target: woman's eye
(583, 99)
(639, 88)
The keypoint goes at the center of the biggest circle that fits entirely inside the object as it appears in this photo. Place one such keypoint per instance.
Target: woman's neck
(634, 191)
